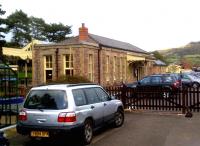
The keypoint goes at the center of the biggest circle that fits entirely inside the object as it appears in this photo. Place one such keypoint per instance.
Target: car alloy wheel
(119, 118)
(195, 85)
(88, 132)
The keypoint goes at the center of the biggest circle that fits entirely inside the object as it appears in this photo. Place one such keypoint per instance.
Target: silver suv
(59, 109)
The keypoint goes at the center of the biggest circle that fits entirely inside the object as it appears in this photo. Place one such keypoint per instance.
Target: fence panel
(192, 99)
(164, 99)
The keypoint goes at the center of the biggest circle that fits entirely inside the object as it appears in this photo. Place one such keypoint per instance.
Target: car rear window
(46, 99)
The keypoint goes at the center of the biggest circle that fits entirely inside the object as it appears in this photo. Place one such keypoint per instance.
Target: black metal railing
(9, 96)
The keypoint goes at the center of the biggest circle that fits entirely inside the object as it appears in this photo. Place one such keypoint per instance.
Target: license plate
(39, 134)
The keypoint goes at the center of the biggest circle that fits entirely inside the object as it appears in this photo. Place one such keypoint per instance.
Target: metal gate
(182, 100)
(9, 99)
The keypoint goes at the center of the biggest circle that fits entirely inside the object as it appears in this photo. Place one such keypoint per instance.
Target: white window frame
(49, 66)
(120, 68)
(91, 67)
(107, 68)
(125, 68)
(71, 64)
(114, 67)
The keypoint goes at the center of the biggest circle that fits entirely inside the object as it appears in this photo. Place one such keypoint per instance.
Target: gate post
(183, 100)
(123, 97)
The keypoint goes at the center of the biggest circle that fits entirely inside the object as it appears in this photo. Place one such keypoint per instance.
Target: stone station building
(102, 60)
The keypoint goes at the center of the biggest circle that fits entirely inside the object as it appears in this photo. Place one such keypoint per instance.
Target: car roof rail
(47, 84)
(68, 85)
(80, 84)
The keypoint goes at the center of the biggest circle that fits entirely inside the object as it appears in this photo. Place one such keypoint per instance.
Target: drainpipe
(99, 64)
(57, 50)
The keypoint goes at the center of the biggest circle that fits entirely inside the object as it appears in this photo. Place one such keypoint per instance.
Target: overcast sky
(147, 24)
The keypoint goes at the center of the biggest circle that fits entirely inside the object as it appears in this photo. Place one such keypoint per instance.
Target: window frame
(91, 67)
(114, 67)
(48, 66)
(120, 68)
(125, 68)
(107, 68)
(70, 62)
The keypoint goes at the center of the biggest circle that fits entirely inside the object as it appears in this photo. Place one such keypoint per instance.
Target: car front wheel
(119, 118)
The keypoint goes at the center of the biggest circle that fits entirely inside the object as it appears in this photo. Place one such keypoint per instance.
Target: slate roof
(75, 40)
(159, 63)
(71, 40)
(115, 44)
(107, 42)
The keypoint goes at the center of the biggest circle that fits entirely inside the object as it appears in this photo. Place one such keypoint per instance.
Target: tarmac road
(139, 129)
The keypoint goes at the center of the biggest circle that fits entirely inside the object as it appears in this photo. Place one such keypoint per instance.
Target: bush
(70, 80)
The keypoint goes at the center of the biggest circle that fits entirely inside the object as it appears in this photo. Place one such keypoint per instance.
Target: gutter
(57, 50)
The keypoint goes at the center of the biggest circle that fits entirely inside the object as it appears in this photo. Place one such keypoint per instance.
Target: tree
(57, 32)
(159, 56)
(37, 28)
(2, 22)
(24, 28)
(18, 24)
(2, 30)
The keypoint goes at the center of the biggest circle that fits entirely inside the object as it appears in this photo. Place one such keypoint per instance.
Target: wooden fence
(163, 99)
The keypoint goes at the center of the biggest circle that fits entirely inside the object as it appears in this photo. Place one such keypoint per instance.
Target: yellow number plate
(39, 134)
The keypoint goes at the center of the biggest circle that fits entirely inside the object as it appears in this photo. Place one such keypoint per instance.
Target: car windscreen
(46, 99)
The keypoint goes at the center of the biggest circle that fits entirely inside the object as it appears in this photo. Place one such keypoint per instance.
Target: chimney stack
(83, 33)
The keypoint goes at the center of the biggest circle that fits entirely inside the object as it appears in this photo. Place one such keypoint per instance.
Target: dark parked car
(170, 81)
(164, 84)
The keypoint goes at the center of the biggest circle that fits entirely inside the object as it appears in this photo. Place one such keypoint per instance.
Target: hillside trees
(157, 55)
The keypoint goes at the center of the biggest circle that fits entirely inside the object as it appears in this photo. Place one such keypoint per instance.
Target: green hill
(190, 52)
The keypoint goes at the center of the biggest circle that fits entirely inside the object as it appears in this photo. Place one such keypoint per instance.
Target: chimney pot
(83, 25)
(83, 33)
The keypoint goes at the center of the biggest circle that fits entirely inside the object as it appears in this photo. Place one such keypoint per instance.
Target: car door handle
(92, 107)
(104, 104)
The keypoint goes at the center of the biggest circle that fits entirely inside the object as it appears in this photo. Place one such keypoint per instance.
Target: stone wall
(123, 72)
